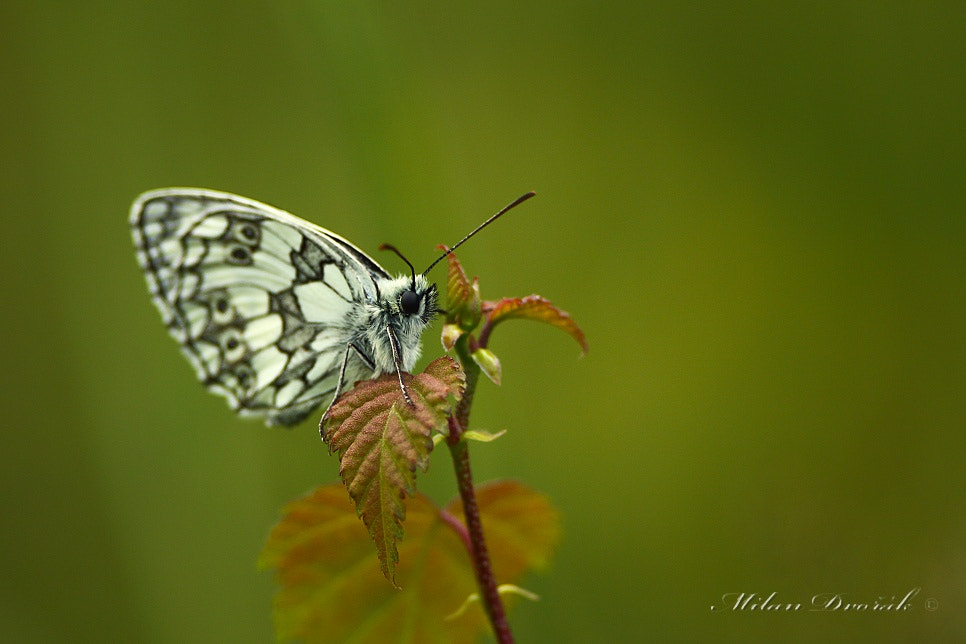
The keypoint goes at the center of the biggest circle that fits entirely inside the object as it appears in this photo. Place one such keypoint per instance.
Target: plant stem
(492, 603)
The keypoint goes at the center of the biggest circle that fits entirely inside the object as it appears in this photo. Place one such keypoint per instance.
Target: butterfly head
(412, 298)
(405, 307)
(417, 298)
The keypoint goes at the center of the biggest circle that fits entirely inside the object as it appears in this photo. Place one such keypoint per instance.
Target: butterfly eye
(409, 302)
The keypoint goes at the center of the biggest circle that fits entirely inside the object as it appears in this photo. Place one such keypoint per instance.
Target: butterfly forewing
(258, 299)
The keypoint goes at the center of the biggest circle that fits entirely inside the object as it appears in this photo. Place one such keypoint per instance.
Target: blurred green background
(754, 210)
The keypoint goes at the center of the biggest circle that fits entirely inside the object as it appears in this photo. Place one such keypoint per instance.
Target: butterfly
(275, 313)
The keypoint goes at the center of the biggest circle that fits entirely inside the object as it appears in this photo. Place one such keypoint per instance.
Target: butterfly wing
(261, 302)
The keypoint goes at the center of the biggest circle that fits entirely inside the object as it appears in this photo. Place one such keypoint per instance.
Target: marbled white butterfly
(275, 313)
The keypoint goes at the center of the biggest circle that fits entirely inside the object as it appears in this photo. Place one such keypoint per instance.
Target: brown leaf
(462, 296)
(382, 441)
(534, 307)
(330, 591)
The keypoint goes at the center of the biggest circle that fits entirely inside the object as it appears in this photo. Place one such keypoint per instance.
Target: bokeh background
(755, 210)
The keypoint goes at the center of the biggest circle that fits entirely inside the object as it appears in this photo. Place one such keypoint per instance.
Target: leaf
(534, 307)
(382, 441)
(511, 589)
(329, 589)
(463, 306)
(480, 435)
(451, 333)
(489, 363)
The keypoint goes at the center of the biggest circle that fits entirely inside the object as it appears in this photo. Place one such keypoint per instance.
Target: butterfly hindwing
(260, 301)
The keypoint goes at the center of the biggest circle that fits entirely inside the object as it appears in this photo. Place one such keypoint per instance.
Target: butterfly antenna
(403, 258)
(513, 204)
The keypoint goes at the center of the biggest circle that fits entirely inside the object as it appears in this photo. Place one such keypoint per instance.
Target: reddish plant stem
(492, 602)
(460, 529)
(485, 580)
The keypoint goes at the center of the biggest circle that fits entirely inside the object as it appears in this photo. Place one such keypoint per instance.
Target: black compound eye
(409, 302)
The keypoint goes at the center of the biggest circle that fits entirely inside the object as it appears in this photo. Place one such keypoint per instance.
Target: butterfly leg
(394, 343)
(338, 387)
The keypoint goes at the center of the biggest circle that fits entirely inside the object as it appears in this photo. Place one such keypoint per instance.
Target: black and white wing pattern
(262, 303)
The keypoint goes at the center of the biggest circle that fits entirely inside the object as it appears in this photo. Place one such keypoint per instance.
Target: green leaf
(330, 591)
(451, 333)
(489, 363)
(382, 441)
(534, 307)
(463, 305)
(481, 436)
